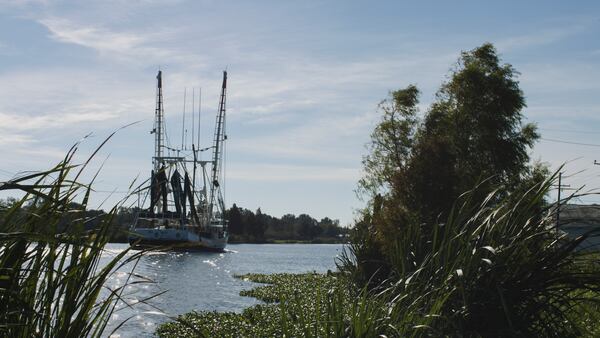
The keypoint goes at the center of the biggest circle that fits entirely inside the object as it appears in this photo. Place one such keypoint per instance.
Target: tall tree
(472, 134)
(235, 220)
(391, 141)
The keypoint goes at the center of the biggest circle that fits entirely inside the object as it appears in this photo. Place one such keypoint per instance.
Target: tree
(260, 225)
(306, 225)
(391, 141)
(235, 220)
(471, 135)
(329, 227)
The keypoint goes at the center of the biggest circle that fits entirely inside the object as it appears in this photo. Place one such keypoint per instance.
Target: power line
(571, 131)
(570, 142)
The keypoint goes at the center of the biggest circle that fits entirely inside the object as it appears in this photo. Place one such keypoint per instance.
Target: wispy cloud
(275, 172)
(102, 40)
(47, 121)
(19, 3)
(560, 77)
(8, 138)
(541, 37)
(118, 45)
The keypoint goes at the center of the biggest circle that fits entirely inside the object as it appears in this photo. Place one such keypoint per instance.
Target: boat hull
(179, 239)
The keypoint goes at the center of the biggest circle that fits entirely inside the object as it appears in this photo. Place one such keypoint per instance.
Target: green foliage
(248, 226)
(482, 263)
(51, 283)
(416, 168)
(495, 267)
(392, 140)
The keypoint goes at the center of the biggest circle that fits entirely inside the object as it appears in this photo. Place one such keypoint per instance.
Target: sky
(305, 78)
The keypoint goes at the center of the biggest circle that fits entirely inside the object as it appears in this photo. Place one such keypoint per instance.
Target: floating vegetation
(306, 305)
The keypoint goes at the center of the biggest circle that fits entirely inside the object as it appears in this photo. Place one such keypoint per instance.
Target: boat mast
(217, 145)
(158, 184)
(159, 137)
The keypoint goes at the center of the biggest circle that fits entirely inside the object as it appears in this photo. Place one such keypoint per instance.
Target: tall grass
(495, 267)
(51, 280)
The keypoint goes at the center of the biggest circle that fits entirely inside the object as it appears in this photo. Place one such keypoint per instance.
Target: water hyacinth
(297, 305)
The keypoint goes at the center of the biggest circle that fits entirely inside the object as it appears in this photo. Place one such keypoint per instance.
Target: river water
(203, 281)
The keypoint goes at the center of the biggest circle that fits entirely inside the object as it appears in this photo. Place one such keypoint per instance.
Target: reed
(51, 281)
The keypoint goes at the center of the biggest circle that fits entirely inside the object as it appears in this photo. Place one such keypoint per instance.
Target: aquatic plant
(51, 280)
(296, 305)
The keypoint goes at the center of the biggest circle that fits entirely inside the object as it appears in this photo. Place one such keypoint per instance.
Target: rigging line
(570, 142)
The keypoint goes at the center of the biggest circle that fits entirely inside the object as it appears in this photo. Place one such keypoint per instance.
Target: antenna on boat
(183, 122)
(199, 110)
(193, 115)
(196, 150)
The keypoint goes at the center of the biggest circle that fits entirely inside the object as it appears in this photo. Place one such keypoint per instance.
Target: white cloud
(21, 3)
(277, 172)
(102, 40)
(538, 38)
(47, 121)
(8, 139)
(121, 46)
(563, 77)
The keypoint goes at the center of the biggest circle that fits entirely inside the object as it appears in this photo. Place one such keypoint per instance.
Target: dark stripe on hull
(172, 245)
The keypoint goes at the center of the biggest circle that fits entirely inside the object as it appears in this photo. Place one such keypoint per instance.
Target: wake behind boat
(181, 209)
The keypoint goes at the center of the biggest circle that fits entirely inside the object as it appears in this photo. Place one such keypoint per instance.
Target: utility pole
(558, 200)
(560, 186)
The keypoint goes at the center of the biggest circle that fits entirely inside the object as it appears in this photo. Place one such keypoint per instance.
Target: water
(204, 281)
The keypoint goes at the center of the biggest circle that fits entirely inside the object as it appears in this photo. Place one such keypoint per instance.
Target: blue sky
(305, 80)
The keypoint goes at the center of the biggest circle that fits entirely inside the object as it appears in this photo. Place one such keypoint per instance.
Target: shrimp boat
(180, 209)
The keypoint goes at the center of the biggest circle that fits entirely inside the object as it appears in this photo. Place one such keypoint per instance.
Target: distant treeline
(245, 226)
(248, 226)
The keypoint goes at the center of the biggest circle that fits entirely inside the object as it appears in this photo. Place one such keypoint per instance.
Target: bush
(496, 267)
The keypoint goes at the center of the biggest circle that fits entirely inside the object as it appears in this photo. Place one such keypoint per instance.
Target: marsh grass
(51, 281)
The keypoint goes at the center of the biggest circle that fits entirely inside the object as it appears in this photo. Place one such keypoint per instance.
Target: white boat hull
(178, 238)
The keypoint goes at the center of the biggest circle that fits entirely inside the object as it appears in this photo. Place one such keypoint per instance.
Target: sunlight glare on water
(202, 281)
